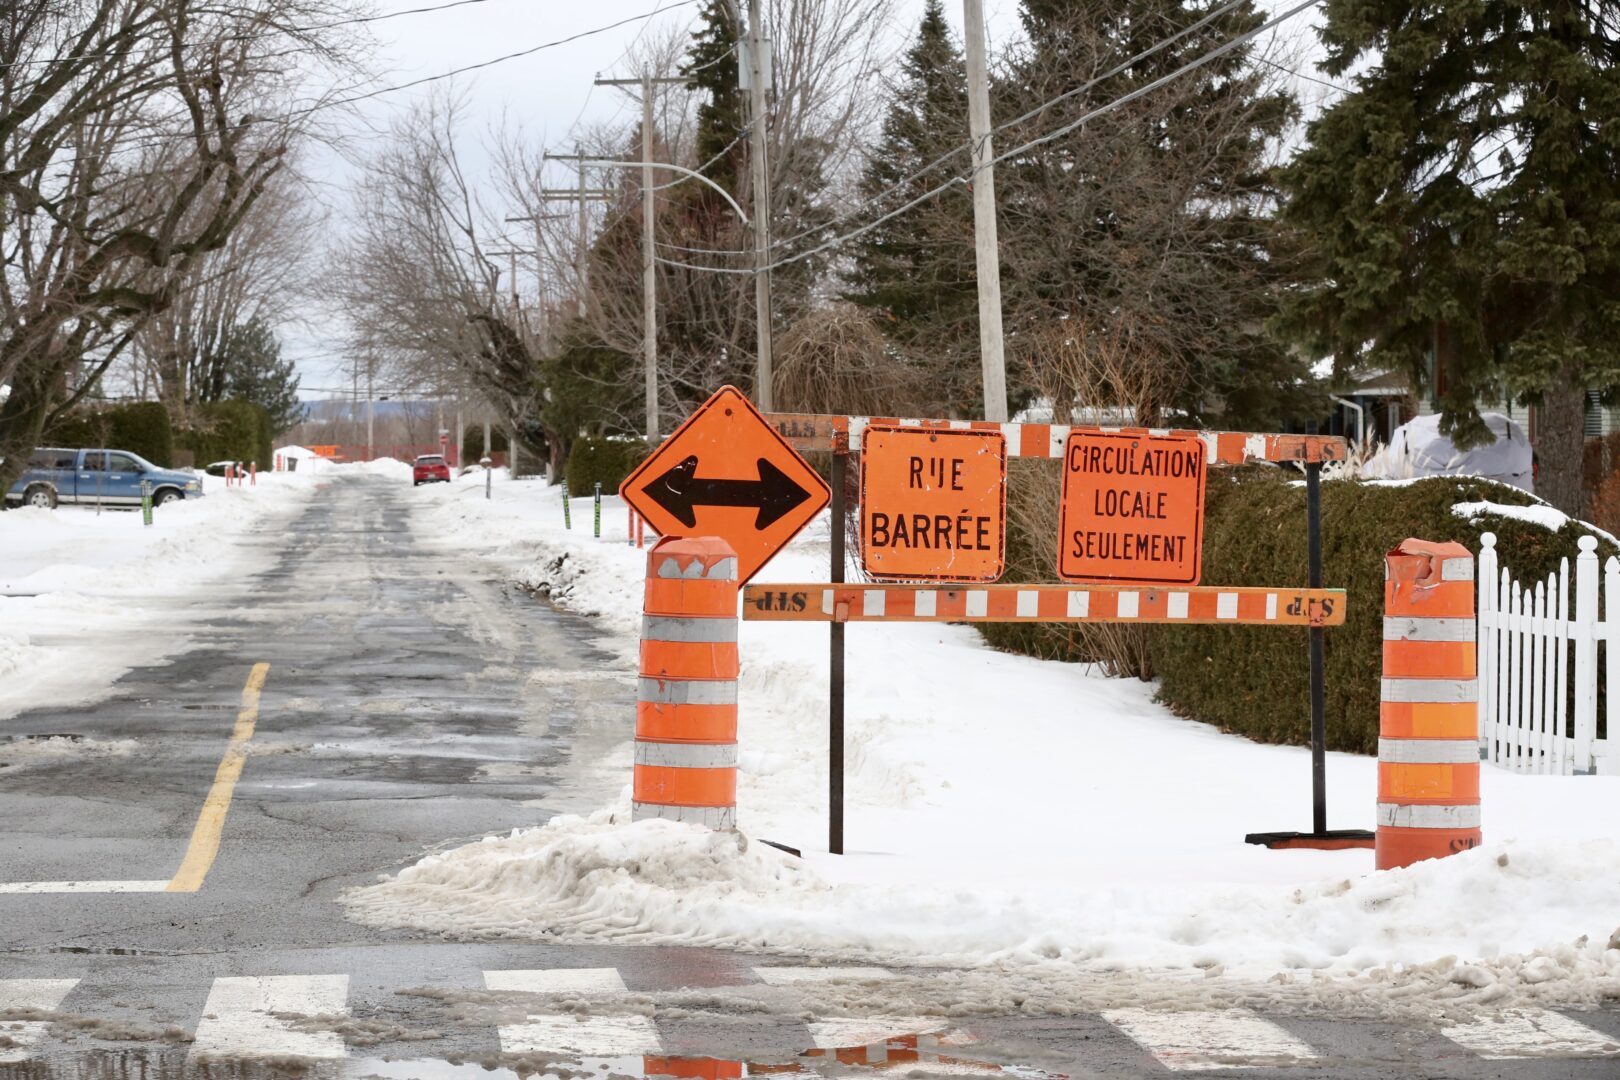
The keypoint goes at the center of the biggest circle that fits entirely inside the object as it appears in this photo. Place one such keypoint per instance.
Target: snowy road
(173, 861)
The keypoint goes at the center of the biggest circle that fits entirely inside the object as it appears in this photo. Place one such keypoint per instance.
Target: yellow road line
(204, 847)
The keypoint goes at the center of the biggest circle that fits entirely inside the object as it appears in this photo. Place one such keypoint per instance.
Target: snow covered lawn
(77, 588)
(1009, 815)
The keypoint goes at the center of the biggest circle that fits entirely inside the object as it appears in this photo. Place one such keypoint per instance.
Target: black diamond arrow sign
(680, 491)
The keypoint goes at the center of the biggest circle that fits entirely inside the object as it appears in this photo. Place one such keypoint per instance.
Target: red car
(430, 467)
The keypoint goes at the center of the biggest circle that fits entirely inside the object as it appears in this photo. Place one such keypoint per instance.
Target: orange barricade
(1428, 746)
(686, 713)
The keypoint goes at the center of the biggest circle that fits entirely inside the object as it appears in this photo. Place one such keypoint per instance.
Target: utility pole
(371, 410)
(758, 72)
(582, 257)
(649, 256)
(986, 251)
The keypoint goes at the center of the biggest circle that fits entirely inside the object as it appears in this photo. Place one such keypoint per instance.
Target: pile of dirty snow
(1005, 814)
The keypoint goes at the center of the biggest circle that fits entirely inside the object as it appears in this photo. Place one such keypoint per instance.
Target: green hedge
(601, 461)
(1255, 680)
(228, 431)
(141, 427)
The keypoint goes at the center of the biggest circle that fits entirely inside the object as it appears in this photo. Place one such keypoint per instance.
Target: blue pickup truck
(104, 477)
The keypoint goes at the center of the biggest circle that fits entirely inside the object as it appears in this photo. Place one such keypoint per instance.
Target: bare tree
(135, 138)
(261, 273)
(422, 281)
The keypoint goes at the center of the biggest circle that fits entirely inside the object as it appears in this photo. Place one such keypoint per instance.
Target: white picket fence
(1539, 666)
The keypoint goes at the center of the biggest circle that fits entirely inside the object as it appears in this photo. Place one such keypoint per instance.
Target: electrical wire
(1041, 140)
(298, 114)
(900, 185)
(356, 21)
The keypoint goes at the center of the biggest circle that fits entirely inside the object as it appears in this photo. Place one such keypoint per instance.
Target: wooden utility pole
(583, 196)
(649, 254)
(986, 251)
(759, 77)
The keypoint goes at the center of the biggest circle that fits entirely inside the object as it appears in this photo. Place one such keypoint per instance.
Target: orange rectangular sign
(933, 504)
(1133, 508)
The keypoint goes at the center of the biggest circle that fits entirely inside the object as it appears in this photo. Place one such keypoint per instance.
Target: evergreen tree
(255, 372)
(1463, 205)
(1146, 227)
(712, 63)
(916, 271)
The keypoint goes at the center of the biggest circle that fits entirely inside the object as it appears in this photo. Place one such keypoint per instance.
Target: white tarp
(1418, 449)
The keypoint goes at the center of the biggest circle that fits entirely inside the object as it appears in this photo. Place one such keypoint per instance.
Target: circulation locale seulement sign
(1132, 509)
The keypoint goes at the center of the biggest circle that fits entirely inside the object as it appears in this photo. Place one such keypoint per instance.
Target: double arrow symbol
(678, 490)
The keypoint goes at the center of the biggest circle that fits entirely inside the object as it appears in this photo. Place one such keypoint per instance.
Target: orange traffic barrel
(686, 711)
(1428, 745)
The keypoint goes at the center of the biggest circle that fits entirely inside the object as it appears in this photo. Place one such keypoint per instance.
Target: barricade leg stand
(1428, 745)
(630, 529)
(686, 712)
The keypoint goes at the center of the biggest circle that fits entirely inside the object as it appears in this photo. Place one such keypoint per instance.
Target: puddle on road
(951, 1054)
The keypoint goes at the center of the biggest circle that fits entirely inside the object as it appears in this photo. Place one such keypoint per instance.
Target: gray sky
(546, 94)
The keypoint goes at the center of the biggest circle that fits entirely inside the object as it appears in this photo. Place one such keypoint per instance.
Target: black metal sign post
(1320, 836)
(835, 667)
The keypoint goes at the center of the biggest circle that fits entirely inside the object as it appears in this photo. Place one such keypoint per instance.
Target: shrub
(605, 461)
(1255, 680)
(141, 427)
(228, 431)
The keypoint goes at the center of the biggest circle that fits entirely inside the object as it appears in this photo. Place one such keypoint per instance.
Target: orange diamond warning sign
(1133, 509)
(933, 503)
(727, 473)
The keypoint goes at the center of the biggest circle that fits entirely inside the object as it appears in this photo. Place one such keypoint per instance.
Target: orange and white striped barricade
(1428, 745)
(686, 713)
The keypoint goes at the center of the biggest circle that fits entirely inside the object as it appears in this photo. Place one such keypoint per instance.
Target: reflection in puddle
(902, 1055)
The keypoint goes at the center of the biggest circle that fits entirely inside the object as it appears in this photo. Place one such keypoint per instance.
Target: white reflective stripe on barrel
(669, 566)
(671, 755)
(712, 631)
(1403, 816)
(1457, 569)
(1429, 751)
(688, 691)
(1408, 628)
(1430, 691)
(713, 817)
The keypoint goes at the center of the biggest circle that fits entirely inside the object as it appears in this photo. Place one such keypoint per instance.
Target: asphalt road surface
(170, 910)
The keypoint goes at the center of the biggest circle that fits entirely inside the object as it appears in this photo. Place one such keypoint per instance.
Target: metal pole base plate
(1329, 840)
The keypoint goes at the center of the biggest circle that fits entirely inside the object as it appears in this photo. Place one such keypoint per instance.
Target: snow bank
(77, 586)
(1004, 814)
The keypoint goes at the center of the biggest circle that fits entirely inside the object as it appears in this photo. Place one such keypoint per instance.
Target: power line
(901, 184)
(1040, 140)
(356, 21)
(331, 104)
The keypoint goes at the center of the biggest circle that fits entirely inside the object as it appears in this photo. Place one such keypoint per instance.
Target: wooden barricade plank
(809, 431)
(816, 602)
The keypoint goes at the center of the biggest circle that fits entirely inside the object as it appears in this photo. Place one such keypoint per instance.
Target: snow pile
(77, 586)
(15, 752)
(599, 878)
(1002, 812)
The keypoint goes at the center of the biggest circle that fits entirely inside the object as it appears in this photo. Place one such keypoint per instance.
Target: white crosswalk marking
(784, 976)
(28, 995)
(1226, 1039)
(241, 1017)
(568, 1033)
(1520, 1033)
(840, 1032)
